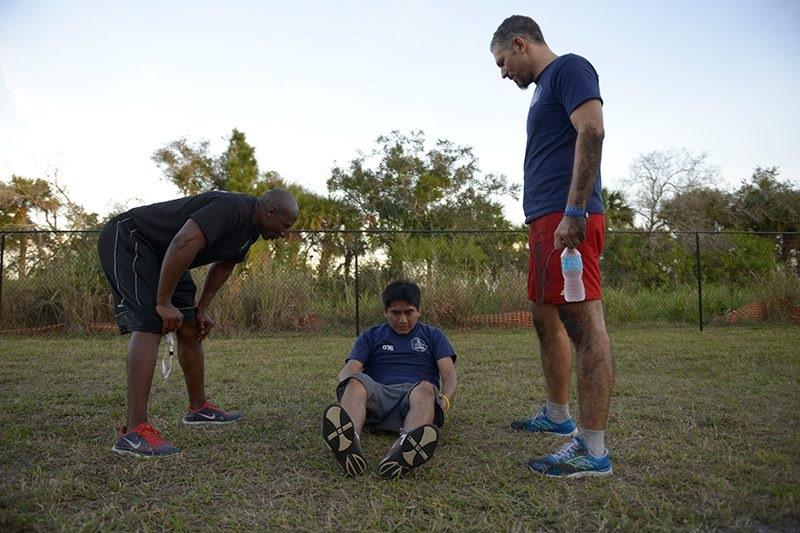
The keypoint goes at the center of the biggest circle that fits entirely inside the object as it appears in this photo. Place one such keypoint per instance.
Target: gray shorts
(388, 405)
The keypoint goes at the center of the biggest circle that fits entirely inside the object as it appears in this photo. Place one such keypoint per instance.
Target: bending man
(146, 255)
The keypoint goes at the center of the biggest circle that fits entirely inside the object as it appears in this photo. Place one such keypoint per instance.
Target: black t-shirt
(224, 217)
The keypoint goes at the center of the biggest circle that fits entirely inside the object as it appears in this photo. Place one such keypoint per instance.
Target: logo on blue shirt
(418, 345)
(387, 347)
(536, 92)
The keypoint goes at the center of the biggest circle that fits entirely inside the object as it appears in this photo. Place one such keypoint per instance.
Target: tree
(657, 176)
(192, 169)
(766, 203)
(240, 165)
(33, 204)
(618, 213)
(401, 186)
(405, 187)
(20, 200)
(703, 208)
(189, 167)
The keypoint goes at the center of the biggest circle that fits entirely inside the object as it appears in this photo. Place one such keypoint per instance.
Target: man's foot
(143, 441)
(573, 460)
(541, 423)
(409, 451)
(210, 415)
(340, 436)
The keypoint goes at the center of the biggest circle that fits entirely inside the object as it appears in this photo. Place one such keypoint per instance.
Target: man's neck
(255, 215)
(541, 60)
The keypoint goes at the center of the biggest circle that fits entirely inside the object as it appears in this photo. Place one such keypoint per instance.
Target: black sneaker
(340, 436)
(409, 451)
(143, 441)
(210, 415)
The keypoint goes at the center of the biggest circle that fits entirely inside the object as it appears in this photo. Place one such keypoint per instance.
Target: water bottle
(572, 270)
(169, 352)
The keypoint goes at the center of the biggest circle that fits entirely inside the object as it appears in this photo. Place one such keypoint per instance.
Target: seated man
(390, 382)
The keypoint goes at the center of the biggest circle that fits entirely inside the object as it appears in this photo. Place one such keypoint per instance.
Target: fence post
(699, 278)
(358, 251)
(2, 272)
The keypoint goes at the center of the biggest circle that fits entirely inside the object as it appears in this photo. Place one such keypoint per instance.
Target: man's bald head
(277, 212)
(282, 200)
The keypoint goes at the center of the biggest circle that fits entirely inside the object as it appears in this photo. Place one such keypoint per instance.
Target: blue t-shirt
(390, 358)
(562, 87)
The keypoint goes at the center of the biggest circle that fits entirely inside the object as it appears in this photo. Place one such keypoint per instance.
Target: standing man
(146, 255)
(564, 208)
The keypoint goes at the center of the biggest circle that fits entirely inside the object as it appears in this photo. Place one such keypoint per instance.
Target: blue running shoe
(541, 423)
(573, 460)
(143, 441)
(210, 415)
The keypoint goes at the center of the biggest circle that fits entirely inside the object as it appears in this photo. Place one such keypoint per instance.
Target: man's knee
(584, 323)
(424, 390)
(354, 389)
(187, 334)
(546, 320)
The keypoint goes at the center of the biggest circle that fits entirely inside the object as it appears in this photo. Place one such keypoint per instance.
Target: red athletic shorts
(545, 282)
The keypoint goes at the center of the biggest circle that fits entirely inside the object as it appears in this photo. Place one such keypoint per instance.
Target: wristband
(446, 402)
(573, 211)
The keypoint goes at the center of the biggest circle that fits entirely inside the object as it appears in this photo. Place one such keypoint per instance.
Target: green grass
(704, 433)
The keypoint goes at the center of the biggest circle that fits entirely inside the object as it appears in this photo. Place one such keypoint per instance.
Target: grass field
(704, 433)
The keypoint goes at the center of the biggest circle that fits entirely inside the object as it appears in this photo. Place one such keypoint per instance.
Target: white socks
(594, 441)
(557, 412)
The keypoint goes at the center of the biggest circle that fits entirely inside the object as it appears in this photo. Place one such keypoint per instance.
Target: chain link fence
(329, 282)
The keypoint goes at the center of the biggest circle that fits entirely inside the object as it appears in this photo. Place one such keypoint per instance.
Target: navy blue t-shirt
(390, 358)
(562, 87)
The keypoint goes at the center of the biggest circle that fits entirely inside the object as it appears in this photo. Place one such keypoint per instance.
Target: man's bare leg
(585, 325)
(586, 456)
(422, 406)
(342, 425)
(556, 352)
(354, 401)
(418, 441)
(192, 359)
(140, 363)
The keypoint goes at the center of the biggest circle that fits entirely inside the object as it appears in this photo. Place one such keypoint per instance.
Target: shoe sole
(120, 451)
(339, 435)
(417, 449)
(577, 475)
(209, 423)
(569, 435)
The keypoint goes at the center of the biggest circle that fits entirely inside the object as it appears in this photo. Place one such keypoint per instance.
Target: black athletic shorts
(132, 267)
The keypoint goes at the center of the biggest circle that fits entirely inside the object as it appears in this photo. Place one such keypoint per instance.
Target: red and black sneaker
(143, 441)
(210, 415)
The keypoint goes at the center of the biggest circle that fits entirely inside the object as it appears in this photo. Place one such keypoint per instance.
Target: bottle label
(571, 263)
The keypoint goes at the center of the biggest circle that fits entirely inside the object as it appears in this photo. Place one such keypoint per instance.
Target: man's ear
(519, 44)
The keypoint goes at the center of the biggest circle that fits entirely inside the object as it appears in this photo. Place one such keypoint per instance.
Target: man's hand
(571, 231)
(204, 324)
(171, 317)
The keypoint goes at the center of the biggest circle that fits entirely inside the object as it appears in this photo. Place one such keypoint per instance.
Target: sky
(90, 89)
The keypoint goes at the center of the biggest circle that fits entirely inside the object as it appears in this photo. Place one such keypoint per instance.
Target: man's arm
(218, 274)
(447, 369)
(351, 367)
(587, 119)
(181, 252)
